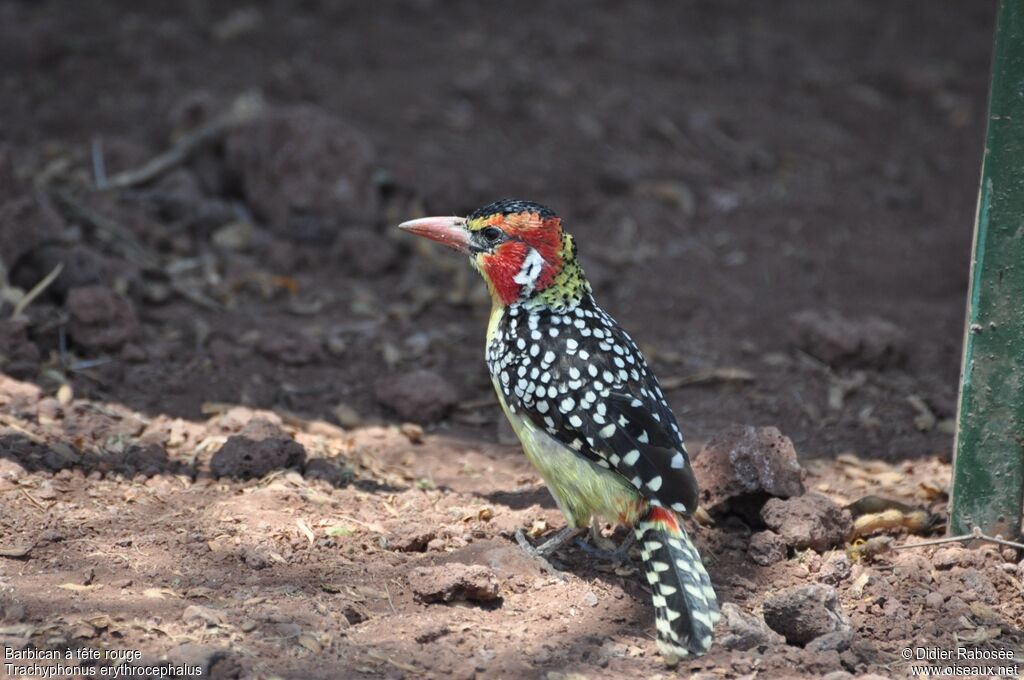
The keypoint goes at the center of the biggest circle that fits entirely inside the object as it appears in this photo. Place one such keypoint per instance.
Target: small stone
(934, 600)
(260, 447)
(838, 675)
(849, 342)
(333, 471)
(100, 318)
(421, 396)
(212, 662)
(766, 548)
(413, 432)
(589, 599)
(290, 347)
(407, 538)
(206, 615)
(951, 556)
(255, 558)
(746, 631)
(835, 569)
(304, 172)
(810, 521)
(453, 582)
(803, 613)
(837, 641)
(347, 416)
(19, 356)
(747, 462)
(65, 394)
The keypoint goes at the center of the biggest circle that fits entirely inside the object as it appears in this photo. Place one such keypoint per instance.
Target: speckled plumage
(587, 409)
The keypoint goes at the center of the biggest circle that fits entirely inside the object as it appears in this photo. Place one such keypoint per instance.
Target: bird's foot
(618, 555)
(542, 551)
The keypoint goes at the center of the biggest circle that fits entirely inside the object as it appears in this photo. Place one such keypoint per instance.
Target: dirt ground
(246, 425)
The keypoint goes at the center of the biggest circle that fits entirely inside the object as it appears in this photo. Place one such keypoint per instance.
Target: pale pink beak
(449, 231)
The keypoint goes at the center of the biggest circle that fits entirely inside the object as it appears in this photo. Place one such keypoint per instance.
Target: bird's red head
(518, 246)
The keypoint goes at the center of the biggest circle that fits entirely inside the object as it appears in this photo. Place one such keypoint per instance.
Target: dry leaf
(301, 523)
(538, 527)
(78, 587)
(309, 642)
(157, 593)
(857, 587)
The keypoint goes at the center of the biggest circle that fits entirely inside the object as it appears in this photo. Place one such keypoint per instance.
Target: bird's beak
(449, 231)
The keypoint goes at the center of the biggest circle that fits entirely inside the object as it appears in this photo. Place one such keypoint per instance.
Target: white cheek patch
(528, 274)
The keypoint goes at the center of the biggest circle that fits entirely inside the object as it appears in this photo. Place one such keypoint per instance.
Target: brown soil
(206, 446)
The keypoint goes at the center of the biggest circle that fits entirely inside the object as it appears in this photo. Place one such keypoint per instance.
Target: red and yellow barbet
(588, 411)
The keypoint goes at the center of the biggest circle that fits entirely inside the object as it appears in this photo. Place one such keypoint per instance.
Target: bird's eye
(492, 234)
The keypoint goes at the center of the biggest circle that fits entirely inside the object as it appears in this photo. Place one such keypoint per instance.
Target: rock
(25, 222)
(589, 599)
(19, 357)
(803, 613)
(422, 396)
(838, 675)
(148, 459)
(254, 557)
(259, 448)
(331, 470)
(747, 461)
(971, 584)
(453, 582)
(214, 663)
(100, 318)
(290, 347)
(934, 600)
(11, 470)
(835, 569)
(810, 521)
(746, 631)
(17, 396)
(842, 342)
(410, 538)
(304, 171)
(82, 267)
(952, 556)
(767, 547)
(206, 615)
(837, 641)
(237, 417)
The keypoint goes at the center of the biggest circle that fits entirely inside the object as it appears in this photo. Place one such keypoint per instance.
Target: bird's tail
(685, 605)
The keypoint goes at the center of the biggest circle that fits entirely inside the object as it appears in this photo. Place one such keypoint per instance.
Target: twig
(37, 290)
(35, 502)
(721, 374)
(99, 167)
(108, 231)
(408, 668)
(242, 111)
(390, 601)
(975, 535)
(12, 422)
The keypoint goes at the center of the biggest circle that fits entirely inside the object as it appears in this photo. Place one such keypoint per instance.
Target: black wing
(579, 377)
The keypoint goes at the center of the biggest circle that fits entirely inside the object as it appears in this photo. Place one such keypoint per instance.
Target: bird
(585, 406)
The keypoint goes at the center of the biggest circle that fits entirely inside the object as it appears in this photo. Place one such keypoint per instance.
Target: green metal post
(988, 467)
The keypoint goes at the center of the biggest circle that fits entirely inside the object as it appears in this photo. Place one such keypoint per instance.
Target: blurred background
(776, 199)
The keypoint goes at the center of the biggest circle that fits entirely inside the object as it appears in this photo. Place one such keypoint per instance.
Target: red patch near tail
(665, 517)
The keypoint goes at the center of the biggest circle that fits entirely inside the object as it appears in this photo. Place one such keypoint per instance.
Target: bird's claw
(619, 555)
